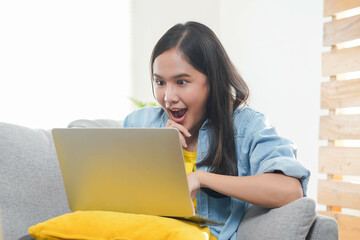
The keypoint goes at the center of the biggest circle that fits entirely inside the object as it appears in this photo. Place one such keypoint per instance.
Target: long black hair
(199, 45)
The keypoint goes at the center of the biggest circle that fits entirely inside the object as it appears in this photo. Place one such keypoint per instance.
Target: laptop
(132, 170)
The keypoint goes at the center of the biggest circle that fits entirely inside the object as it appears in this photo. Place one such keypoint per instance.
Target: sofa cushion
(291, 221)
(31, 185)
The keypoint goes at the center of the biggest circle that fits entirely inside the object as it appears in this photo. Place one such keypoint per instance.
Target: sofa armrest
(86, 123)
(292, 221)
(324, 228)
(31, 186)
(1, 234)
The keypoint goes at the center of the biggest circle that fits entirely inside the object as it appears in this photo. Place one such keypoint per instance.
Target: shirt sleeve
(149, 117)
(268, 152)
(127, 121)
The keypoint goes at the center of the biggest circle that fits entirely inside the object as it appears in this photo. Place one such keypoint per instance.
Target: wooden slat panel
(349, 226)
(340, 94)
(339, 160)
(342, 30)
(339, 127)
(331, 7)
(339, 193)
(341, 61)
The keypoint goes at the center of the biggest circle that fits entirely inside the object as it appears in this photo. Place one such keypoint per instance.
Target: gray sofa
(31, 191)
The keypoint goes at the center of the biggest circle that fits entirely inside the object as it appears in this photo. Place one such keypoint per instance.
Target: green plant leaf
(141, 104)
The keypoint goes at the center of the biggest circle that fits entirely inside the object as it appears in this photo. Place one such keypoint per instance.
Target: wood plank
(341, 61)
(340, 127)
(333, 143)
(340, 94)
(342, 30)
(331, 7)
(349, 226)
(339, 160)
(339, 193)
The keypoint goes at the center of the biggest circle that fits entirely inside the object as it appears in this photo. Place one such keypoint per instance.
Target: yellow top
(190, 161)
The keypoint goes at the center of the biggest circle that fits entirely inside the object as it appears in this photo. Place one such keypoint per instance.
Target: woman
(240, 159)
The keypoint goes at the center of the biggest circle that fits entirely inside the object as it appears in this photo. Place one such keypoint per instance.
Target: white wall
(276, 45)
(63, 60)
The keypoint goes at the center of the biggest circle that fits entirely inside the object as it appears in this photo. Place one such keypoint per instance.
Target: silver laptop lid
(135, 170)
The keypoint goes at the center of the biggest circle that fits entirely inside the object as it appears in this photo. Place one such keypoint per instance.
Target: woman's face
(180, 89)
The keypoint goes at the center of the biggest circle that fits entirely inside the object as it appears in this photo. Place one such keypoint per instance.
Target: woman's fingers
(183, 132)
(182, 140)
(181, 128)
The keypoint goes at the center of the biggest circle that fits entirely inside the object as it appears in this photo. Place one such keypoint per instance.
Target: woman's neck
(192, 141)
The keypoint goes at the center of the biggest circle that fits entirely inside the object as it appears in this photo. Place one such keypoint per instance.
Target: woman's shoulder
(246, 114)
(246, 119)
(146, 117)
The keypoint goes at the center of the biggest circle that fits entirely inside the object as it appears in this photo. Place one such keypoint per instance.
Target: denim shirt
(258, 150)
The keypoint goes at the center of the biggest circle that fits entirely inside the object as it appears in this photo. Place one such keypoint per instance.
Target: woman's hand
(194, 181)
(183, 132)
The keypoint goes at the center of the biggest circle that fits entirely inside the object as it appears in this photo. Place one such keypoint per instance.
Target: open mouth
(178, 114)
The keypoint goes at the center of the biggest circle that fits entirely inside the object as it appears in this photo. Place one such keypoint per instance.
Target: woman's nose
(171, 95)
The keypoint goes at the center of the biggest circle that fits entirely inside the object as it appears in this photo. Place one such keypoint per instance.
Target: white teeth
(178, 109)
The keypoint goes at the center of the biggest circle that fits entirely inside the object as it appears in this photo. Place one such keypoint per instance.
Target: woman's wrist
(201, 177)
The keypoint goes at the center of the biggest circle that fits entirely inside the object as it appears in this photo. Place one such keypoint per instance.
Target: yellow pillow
(101, 225)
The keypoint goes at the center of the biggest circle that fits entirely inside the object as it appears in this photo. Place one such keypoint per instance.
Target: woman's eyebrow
(181, 75)
(174, 77)
(157, 76)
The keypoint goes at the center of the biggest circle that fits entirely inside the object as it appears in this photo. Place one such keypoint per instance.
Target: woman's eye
(181, 82)
(159, 82)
